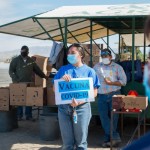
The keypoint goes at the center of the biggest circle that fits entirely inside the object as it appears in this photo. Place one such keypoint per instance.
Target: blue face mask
(72, 59)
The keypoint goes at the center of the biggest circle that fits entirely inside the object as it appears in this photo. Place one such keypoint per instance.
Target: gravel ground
(27, 137)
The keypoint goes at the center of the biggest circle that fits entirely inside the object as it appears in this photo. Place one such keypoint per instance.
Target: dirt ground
(27, 137)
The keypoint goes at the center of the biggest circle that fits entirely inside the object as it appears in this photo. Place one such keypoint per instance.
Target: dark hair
(25, 48)
(147, 28)
(106, 50)
(79, 47)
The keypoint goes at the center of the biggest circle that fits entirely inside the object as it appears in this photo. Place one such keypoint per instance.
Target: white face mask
(106, 61)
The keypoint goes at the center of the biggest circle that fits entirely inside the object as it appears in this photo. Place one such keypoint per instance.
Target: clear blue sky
(11, 10)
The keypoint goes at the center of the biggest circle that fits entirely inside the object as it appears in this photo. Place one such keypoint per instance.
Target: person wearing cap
(74, 131)
(21, 70)
(111, 77)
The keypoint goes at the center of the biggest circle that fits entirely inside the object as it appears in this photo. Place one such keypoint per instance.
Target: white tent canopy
(98, 11)
(51, 25)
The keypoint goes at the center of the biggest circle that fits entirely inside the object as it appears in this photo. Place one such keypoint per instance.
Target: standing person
(75, 134)
(111, 77)
(21, 70)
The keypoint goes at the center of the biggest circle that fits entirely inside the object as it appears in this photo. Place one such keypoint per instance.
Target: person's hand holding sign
(75, 103)
(67, 77)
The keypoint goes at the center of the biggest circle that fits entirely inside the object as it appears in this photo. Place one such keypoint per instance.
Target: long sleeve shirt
(22, 71)
(114, 72)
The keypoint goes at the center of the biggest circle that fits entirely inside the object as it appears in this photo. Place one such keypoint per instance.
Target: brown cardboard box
(50, 96)
(18, 94)
(4, 99)
(117, 102)
(34, 96)
(135, 102)
(129, 102)
(42, 63)
(95, 49)
(95, 59)
(49, 67)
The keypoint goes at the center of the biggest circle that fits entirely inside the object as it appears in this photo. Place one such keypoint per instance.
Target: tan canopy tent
(71, 24)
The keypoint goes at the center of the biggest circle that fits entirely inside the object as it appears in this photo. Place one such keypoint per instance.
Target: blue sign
(80, 89)
(76, 95)
(74, 85)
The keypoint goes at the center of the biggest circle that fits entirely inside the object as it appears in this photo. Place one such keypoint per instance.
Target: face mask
(24, 54)
(106, 61)
(72, 59)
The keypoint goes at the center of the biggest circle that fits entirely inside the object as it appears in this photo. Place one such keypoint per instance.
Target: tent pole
(133, 44)
(65, 38)
(94, 42)
(61, 31)
(109, 46)
(144, 47)
(44, 29)
(119, 44)
(73, 36)
(77, 41)
(107, 38)
(91, 37)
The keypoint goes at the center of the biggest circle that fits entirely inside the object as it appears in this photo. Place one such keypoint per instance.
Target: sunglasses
(105, 53)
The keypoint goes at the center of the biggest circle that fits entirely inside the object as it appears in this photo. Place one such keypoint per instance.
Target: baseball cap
(105, 52)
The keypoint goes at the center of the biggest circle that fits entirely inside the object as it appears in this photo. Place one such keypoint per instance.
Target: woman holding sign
(74, 117)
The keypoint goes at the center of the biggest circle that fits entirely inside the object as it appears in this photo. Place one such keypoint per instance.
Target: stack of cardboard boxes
(42, 63)
(26, 94)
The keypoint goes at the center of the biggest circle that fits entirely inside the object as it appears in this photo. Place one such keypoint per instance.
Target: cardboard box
(18, 94)
(129, 102)
(95, 49)
(50, 96)
(34, 96)
(136, 102)
(49, 67)
(42, 63)
(4, 99)
(117, 102)
(95, 59)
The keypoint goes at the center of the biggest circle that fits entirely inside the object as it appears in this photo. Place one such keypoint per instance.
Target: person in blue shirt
(74, 132)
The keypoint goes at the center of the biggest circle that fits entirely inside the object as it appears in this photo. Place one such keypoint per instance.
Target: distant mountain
(35, 50)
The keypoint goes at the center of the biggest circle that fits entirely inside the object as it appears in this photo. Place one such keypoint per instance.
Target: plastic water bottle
(75, 118)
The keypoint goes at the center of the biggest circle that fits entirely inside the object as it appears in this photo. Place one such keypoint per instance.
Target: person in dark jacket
(21, 70)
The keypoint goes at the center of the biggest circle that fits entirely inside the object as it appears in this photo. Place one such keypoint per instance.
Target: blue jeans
(105, 107)
(28, 111)
(74, 135)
